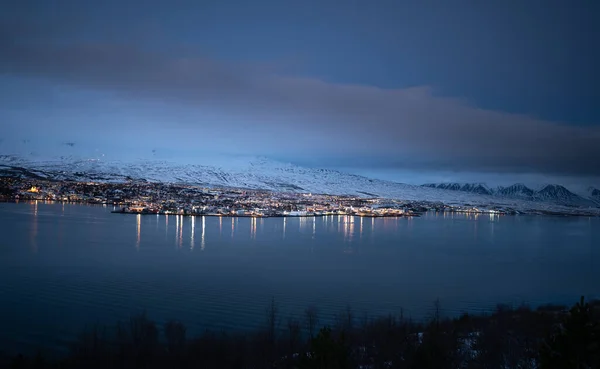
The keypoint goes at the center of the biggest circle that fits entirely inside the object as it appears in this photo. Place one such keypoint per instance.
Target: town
(140, 197)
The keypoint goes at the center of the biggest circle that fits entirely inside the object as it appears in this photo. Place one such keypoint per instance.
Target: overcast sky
(404, 90)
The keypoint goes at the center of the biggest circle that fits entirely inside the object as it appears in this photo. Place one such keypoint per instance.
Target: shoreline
(265, 216)
(530, 212)
(464, 338)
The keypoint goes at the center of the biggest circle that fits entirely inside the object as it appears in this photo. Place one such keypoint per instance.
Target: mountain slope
(444, 186)
(518, 190)
(478, 188)
(594, 193)
(556, 192)
(552, 193)
(255, 173)
(261, 173)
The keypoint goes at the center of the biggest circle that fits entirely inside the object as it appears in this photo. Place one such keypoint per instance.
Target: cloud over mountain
(307, 118)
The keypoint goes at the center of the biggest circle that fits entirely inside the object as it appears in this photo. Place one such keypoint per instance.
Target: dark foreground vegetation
(547, 337)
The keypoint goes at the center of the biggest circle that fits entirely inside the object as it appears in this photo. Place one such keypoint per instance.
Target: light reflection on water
(78, 263)
(202, 241)
(193, 231)
(34, 228)
(139, 231)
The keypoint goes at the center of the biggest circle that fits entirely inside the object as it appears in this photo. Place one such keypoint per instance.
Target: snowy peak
(518, 190)
(556, 192)
(550, 193)
(594, 193)
(478, 188)
(444, 186)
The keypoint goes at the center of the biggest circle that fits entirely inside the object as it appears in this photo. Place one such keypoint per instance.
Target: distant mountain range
(594, 193)
(549, 193)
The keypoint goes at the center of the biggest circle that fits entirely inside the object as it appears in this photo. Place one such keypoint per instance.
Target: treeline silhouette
(546, 337)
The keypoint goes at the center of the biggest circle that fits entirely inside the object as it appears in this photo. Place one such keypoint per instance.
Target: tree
(312, 319)
(575, 343)
(326, 352)
(175, 333)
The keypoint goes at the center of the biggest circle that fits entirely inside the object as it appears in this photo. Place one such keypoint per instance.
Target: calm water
(65, 266)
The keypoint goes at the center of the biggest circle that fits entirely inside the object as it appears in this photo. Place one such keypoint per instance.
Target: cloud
(328, 123)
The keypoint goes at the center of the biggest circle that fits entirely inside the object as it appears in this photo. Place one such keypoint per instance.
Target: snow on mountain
(556, 192)
(263, 173)
(518, 190)
(594, 193)
(552, 193)
(478, 188)
(561, 195)
(252, 173)
(444, 186)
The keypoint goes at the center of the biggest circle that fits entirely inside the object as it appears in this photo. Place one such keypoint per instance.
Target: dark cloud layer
(373, 127)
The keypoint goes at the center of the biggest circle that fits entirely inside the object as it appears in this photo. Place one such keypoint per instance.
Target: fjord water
(63, 267)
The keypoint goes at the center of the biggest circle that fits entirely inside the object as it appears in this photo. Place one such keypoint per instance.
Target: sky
(412, 91)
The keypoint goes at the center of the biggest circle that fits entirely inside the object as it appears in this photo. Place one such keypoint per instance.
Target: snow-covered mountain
(552, 193)
(518, 190)
(594, 193)
(556, 192)
(251, 173)
(263, 173)
(444, 186)
(478, 188)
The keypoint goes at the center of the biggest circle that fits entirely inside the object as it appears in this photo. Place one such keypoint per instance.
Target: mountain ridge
(266, 174)
(549, 192)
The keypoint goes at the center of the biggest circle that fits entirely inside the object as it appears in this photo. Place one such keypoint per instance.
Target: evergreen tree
(575, 342)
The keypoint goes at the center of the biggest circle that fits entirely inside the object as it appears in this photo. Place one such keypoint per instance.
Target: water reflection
(284, 223)
(253, 228)
(181, 231)
(34, 228)
(301, 224)
(469, 269)
(176, 230)
(348, 228)
(232, 227)
(138, 222)
(192, 233)
(372, 227)
(202, 243)
(314, 229)
(361, 228)
(166, 225)
(220, 226)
